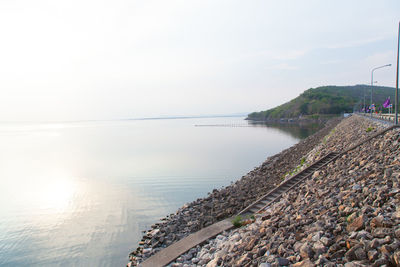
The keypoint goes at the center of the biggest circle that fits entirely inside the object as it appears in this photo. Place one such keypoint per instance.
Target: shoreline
(345, 214)
(318, 118)
(226, 202)
(323, 221)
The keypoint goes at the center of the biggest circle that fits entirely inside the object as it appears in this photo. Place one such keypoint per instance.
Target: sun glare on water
(50, 192)
(56, 193)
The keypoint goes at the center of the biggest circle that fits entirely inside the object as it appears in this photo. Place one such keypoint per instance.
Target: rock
(325, 241)
(357, 224)
(356, 187)
(338, 255)
(261, 252)
(375, 243)
(353, 264)
(281, 249)
(283, 262)
(316, 237)
(270, 259)
(319, 248)
(316, 174)
(355, 253)
(204, 259)
(396, 214)
(322, 261)
(213, 263)
(382, 232)
(380, 262)
(208, 206)
(397, 233)
(243, 260)
(388, 172)
(251, 244)
(297, 246)
(147, 250)
(396, 258)
(351, 243)
(363, 235)
(376, 222)
(372, 255)
(385, 249)
(306, 251)
(360, 254)
(305, 263)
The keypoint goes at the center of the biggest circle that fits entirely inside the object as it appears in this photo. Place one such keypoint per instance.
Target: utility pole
(372, 81)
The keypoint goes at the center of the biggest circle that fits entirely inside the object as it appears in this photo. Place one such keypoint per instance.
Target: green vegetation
(369, 129)
(325, 140)
(318, 102)
(328, 136)
(295, 170)
(237, 221)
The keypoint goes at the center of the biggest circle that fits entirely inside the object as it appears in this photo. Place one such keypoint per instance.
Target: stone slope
(228, 201)
(347, 214)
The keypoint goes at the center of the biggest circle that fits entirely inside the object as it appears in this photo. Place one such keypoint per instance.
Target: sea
(80, 193)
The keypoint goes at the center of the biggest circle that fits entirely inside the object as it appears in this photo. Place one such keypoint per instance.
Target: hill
(326, 100)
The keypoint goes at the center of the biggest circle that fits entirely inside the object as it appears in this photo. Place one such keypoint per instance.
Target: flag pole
(397, 79)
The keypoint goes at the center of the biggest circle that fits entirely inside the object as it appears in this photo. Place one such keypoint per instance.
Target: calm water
(79, 194)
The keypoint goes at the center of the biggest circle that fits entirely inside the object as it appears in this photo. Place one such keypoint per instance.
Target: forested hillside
(327, 100)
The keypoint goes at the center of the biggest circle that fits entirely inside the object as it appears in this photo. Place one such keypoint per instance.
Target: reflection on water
(297, 130)
(79, 194)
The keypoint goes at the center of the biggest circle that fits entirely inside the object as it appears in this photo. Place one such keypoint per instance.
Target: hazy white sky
(97, 59)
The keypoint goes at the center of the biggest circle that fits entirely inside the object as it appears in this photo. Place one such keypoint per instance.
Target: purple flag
(386, 103)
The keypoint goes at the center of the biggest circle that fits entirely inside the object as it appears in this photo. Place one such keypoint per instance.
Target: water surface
(80, 193)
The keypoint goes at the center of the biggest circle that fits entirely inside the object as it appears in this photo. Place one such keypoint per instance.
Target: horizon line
(163, 117)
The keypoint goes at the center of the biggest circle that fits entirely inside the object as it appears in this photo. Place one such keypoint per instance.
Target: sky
(97, 59)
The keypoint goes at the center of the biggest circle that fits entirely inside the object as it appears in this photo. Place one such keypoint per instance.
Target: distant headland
(324, 102)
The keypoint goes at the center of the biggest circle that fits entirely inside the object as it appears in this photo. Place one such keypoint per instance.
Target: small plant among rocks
(295, 170)
(237, 221)
(369, 129)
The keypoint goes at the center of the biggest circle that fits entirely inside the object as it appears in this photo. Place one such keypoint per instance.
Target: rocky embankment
(226, 202)
(346, 214)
